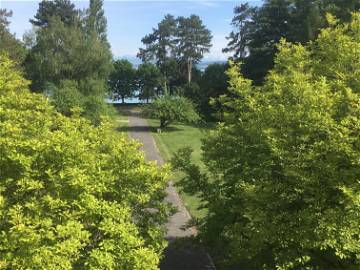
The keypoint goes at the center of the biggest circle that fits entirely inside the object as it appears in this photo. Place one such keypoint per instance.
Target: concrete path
(177, 257)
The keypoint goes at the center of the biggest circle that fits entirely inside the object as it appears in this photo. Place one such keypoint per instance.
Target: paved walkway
(176, 257)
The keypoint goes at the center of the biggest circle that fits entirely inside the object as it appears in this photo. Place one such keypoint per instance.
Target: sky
(129, 21)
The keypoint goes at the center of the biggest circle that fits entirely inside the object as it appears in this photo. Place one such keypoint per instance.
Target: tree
(281, 182)
(240, 37)
(62, 52)
(123, 81)
(258, 29)
(169, 109)
(149, 81)
(193, 40)
(96, 20)
(73, 196)
(8, 43)
(213, 84)
(66, 97)
(63, 9)
(160, 48)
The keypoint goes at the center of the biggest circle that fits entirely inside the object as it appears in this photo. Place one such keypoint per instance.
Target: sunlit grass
(175, 137)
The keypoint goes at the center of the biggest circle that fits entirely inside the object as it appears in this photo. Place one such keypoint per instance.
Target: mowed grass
(175, 137)
(121, 120)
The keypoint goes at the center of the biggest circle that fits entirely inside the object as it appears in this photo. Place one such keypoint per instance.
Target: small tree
(122, 80)
(170, 109)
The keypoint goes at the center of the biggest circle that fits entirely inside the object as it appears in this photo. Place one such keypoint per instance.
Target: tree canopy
(123, 80)
(73, 196)
(8, 43)
(96, 20)
(62, 51)
(257, 29)
(149, 80)
(169, 109)
(63, 9)
(281, 185)
(182, 41)
(193, 41)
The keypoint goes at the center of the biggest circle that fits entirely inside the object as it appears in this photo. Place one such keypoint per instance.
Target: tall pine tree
(96, 20)
(193, 41)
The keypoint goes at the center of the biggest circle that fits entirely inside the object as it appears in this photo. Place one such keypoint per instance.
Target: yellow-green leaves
(73, 196)
(284, 184)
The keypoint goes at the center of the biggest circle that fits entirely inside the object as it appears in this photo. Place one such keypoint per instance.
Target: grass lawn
(173, 138)
(121, 119)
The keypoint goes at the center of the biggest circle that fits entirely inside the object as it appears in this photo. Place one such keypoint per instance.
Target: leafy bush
(72, 196)
(66, 97)
(170, 109)
(282, 190)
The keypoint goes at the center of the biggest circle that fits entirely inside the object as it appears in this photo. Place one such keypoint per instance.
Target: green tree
(169, 109)
(8, 43)
(281, 185)
(258, 29)
(96, 20)
(149, 81)
(62, 52)
(213, 84)
(193, 41)
(63, 9)
(160, 48)
(240, 37)
(73, 196)
(123, 80)
(66, 97)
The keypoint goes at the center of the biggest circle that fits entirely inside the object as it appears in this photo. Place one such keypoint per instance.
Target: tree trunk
(123, 99)
(189, 66)
(165, 88)
(162, 122)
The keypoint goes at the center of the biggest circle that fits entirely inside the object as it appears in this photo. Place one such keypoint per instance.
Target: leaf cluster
(170, 109)
(72, 196)
(282, 182)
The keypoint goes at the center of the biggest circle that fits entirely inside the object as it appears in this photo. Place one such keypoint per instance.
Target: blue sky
(129, 21)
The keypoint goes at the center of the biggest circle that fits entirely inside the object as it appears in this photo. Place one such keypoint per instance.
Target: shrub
(72, 196)
(66, 97)
(170, 109)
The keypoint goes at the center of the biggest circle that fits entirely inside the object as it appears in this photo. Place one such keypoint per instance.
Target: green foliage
(66, 53)
(160, 47)
(96, 20)
(283, 182)
(123, 80)
(149, 81)
(193, 40)
(258, 29)
(73, 196)
(8, 43)
(170, 109)
(177, 43)
(66, 97)
(63, 9)
(213, 84)
(63, 51)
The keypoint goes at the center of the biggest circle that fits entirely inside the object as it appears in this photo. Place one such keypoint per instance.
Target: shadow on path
(184, 254)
